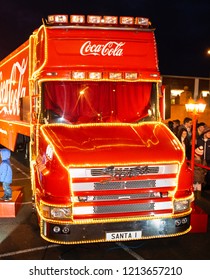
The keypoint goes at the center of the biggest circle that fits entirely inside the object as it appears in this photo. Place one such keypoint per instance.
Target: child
(6, 174)
(199, 172)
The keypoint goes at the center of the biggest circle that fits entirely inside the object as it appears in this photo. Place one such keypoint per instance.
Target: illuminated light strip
(57, 74)
(66, 205)
(58, 157)
(105, 79)
(42, 128)
(114, 220)
(35, 73)
(190, 197)
(104, 240)
(59, 78)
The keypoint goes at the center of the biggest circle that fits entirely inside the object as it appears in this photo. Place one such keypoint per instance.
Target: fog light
(178, 222)
(66, 230)
(56, 229)
(184, 221)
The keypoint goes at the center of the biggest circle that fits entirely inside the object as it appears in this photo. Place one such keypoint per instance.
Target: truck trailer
(84, 94)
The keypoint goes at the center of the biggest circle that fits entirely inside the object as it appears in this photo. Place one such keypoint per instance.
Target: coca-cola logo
(12, 89)
(111, 48)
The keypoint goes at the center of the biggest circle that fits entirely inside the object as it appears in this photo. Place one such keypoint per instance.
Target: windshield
(89, 102)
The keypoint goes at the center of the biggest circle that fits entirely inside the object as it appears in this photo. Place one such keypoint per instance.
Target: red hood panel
(121, 144)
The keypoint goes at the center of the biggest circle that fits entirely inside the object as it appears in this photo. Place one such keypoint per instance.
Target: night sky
(182, 27)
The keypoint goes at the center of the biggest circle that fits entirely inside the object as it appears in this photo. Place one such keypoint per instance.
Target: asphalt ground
(20, 239)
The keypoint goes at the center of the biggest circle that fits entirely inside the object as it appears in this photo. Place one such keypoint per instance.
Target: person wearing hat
(199, 172)
(204, 140)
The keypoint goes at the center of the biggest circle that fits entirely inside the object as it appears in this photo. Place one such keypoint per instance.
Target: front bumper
(97, 232)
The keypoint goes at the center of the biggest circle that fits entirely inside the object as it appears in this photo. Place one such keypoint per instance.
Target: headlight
(54, 212)
(181, 205)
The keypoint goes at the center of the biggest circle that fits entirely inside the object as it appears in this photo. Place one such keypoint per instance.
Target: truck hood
(113, 144)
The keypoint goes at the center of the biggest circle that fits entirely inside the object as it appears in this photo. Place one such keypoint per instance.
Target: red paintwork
(138, 51)
(14, 83)
(53, 54)
(139, 54)
(113, 144)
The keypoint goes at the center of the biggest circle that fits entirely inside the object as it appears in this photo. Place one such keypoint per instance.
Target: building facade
(179, 89)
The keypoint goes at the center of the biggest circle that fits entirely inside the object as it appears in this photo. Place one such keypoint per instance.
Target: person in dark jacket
(187, 124)
(199, 129)
(204, 140)
(6, 174)
(176, 124)
(199, 172)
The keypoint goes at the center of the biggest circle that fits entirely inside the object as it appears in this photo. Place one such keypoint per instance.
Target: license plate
(124, 235)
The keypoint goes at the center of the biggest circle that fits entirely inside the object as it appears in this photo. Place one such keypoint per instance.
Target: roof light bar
(94, 19)
(95, 75)
(115, 75)
(131, 76)
(142, 21)
(78, 75)
(77, 19)
(127, 20)
(110, 19)
(57, 19)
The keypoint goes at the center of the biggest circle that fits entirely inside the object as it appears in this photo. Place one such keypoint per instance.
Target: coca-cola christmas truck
(85, 90)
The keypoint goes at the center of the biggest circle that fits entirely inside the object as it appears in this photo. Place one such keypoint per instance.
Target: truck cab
(104, 166)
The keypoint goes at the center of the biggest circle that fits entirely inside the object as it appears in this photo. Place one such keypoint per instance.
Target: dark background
(182, 27)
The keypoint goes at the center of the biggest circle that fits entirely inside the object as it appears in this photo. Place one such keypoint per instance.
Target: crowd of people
(183, 132)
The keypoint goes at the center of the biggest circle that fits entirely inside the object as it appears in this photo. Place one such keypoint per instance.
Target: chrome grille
(107, 185)
(123, 208)
(99, 192)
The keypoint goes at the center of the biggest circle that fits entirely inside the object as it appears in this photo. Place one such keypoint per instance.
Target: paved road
(20, 240)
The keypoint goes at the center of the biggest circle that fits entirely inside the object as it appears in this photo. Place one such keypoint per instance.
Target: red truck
(85, 92)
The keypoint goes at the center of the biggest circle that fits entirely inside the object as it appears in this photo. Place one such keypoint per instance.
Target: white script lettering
(109, 49)
(12, 90)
